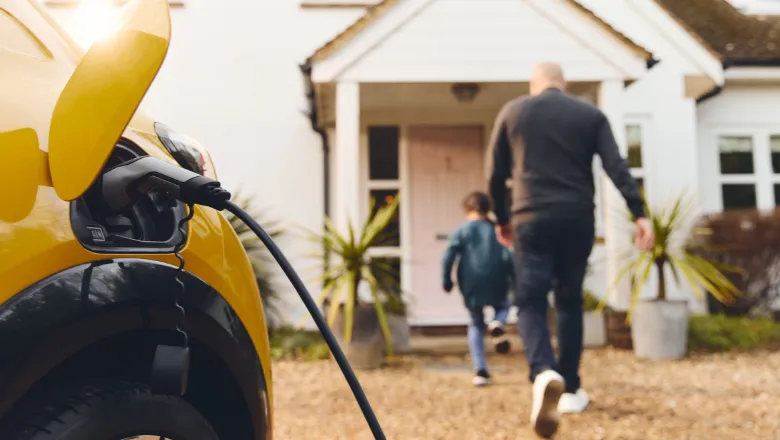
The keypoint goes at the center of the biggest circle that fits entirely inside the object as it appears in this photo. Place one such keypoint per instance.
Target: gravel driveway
(709, 397)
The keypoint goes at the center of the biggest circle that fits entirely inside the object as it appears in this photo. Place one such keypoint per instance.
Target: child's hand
(447, 286)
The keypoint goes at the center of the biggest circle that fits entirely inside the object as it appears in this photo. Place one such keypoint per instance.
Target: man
(546, 143)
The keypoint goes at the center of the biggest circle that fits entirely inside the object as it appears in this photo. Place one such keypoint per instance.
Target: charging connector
(125, 183)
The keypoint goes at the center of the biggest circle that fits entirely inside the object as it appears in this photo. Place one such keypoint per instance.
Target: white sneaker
(572, 403)
(481, 379)
(548, 388)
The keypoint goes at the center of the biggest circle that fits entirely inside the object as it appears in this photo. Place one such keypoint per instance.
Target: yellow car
(89, 296)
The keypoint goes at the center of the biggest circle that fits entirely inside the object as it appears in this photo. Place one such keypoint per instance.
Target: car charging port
(149, 225)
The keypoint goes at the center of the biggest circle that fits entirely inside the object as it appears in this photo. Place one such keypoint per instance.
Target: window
(635, 140)
(15, 36)
(774, 149)
(381, 198)
(384, 179)
(736, 154)
(383, 153)
(774, 152)
(390, 267)
(737, 171)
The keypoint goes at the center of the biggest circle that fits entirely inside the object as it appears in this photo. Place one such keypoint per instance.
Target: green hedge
(291, 343)
(719, 333)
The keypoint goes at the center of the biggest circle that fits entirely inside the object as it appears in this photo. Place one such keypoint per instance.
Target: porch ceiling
(377, 97)
(476, 40)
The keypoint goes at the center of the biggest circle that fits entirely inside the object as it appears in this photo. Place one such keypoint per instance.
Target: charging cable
(123, 184)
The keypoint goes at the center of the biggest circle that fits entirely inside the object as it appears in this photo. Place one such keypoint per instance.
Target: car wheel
(106, 410)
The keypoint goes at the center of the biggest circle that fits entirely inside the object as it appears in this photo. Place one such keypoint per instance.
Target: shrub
(749, 240)
(292, 343)
(719, 333)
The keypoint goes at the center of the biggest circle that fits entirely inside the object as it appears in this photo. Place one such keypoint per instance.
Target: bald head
(546, 75)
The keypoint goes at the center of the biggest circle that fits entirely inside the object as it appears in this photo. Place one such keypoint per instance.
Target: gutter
(715, 91)
(313, 115)
(773, 62)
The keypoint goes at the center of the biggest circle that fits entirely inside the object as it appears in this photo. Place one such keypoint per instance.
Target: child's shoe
(481, 379)
(500, 340)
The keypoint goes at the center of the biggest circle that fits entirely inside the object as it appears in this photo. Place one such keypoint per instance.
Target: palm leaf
(352, 262)
(384, 325)
(699, 273)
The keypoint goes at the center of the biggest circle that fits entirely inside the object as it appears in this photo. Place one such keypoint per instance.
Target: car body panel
(36, 235)
(103, 93)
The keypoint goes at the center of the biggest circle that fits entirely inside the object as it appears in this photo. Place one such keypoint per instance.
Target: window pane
(774, 145)
(387, 271)
(739, 196)
(736, 154)
(634, 141)
(383, 153)
(392, 234)
(777, 195)
(640, 182)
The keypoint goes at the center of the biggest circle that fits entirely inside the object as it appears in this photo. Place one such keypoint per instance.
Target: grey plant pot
(400, 332)
(366, 350)
(659, 330)
(595, 329)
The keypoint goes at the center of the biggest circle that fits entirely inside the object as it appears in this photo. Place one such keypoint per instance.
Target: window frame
(763, 177)
(383, 184)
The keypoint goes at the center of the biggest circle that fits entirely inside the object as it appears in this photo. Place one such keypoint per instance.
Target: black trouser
(552, 253)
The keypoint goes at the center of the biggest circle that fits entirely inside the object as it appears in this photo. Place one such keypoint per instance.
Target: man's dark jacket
(546, 145)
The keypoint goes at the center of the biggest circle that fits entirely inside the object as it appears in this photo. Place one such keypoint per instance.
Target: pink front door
(446, 163)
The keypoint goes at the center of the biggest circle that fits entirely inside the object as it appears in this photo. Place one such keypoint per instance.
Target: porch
(408, 99)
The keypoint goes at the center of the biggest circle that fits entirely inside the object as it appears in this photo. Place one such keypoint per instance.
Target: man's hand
(645, 240)
(504, 234)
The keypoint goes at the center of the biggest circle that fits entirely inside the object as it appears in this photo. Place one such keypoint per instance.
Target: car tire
(106, 410)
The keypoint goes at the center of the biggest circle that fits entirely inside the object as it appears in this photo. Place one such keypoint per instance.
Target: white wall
(670, 157)
(231, 80)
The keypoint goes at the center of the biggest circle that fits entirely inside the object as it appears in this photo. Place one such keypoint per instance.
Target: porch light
(465, 92)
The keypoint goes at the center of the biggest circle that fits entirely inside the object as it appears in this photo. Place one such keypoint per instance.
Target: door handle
(442, 237)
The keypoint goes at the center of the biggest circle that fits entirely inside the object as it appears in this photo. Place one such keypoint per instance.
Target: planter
(366, 350)
(618, 331)
(660, 329)
(595, 330)
(400, 332)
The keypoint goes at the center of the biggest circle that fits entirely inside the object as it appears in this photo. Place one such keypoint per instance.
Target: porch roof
(375, 11)
(561, 14)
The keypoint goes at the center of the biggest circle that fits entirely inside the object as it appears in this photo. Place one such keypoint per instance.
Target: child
(484, 274)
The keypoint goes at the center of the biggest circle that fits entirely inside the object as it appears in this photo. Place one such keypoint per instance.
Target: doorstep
(452, 344)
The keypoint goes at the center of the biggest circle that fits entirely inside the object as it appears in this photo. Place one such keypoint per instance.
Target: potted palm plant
(262, 261)
(360, 325)
(659, 327)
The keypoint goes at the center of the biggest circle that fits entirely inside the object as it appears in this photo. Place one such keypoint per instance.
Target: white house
(317, 106)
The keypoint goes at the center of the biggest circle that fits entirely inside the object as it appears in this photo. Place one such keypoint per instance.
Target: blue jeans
(476, 333)
(552, 254)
